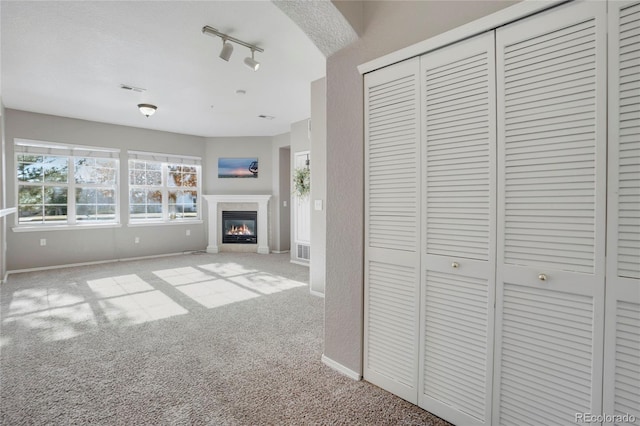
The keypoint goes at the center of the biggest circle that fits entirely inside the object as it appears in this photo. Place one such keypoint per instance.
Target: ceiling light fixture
(227, 50)
(227, 47)
(147, 109)
(251, 62)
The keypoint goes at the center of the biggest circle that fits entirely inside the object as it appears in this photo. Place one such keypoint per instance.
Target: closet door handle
(542, 277)
(455, 265)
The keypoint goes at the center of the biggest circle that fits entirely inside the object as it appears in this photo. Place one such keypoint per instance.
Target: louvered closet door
(622, 320)
(551, 203)
(392, 257)
(458, 263)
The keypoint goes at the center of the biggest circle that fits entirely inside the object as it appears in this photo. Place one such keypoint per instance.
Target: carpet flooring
(198, 339)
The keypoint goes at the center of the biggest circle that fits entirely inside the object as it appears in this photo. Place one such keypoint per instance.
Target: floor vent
(304, 251)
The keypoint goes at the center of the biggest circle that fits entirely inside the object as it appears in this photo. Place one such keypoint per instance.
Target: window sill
(164, 223)
(40, 228)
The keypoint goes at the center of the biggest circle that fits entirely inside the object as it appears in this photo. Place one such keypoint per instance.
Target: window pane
(137, 177)
(30, 168)
(154, 178)
(30, 214)
(55, 213)
(106, 196)
(29, 195)
(85, 212)
(105, 175)
(85, 196)
(95, 170)
(55, 195)
(137, 196)
(190, 180)
(154, 197)
(56, 169)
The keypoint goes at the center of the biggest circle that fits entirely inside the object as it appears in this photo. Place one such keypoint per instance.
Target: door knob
(455, 265)
(542, 277)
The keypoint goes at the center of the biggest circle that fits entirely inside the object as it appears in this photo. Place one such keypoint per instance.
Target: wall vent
(304, 251)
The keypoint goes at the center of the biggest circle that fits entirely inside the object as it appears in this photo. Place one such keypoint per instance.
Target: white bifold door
(552, 157)
(502, 222)
(458, 237)
(392, 228)
(622, 313)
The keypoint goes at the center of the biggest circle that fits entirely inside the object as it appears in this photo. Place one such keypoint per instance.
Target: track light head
(251, 62)
(227, 50)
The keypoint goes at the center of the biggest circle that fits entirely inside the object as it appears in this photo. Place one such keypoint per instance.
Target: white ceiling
(69, 58)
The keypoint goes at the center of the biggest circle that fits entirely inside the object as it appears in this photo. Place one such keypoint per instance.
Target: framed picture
(237, 167)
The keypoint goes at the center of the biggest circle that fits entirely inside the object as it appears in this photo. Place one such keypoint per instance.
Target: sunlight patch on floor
(57, 323)
(140, 307)
(179, 276)
(40, 299)
(215, 293)
(118, 286)
(224, 283)
(266, 283)
(229, 269)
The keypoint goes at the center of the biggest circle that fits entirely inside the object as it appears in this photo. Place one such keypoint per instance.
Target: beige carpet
(226, 339)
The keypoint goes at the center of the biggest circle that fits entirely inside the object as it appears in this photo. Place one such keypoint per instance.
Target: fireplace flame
(239, 230)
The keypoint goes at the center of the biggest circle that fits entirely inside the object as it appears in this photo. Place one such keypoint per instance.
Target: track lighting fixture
(227, 50)
(227, 47)
(147, 109)
(251, 62)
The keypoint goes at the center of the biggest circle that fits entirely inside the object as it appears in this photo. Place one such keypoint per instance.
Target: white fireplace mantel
(263, 214)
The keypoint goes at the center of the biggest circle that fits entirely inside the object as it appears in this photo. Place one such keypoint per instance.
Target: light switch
(317, 204)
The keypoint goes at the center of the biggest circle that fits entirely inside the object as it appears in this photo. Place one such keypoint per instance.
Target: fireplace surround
(218, 203)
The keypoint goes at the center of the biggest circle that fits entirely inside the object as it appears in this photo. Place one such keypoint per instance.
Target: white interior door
(459, 217)
(622, 314)
(551, 89)
(392, 228)
(302, 212)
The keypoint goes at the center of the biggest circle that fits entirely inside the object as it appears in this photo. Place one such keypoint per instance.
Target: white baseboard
(300, 263)
(95, 262)
(279, 251)
(340, 368)
(316, 293)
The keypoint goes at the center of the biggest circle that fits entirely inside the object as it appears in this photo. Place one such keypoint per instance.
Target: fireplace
(239, 227)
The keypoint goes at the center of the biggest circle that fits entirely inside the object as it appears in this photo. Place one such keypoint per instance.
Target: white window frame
(71, 152)
(165, 160)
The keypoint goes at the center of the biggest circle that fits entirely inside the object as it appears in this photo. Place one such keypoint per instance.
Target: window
(66, 184)
(163, 188)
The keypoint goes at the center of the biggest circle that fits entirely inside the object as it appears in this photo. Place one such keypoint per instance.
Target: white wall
(77, 246)
(386, 26)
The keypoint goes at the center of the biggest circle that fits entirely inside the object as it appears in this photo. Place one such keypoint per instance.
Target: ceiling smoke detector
(132, 88)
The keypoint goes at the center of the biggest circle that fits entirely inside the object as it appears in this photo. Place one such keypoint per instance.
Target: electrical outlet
(43, 242)
(188, 232)
(136, 240)
(284, 203)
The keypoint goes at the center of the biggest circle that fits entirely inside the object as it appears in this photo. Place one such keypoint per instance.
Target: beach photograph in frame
(237, 167)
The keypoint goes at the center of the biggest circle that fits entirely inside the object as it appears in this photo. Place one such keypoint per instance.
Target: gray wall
(78, 246)
(317, 266)
(3, 202)
(386, 26)
(281, 207)
(242, 147)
